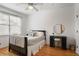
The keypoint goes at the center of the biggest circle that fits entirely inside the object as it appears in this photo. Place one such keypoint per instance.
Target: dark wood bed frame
(20, 50)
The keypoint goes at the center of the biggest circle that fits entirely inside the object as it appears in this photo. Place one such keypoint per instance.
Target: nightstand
(63, 41)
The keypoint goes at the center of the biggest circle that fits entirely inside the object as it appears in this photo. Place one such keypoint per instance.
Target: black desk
(63, 41)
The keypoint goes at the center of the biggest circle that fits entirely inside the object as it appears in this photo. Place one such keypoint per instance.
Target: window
(15, 24)
(4, 22)
(4, 19)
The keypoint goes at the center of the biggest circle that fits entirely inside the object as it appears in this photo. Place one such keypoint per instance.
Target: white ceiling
(21, 7)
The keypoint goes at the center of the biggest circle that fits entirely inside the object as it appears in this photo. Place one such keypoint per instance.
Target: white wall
(24, 25)
(4, 41)
(46, 19)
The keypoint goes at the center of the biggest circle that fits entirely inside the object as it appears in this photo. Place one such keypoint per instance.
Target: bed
(28, 45)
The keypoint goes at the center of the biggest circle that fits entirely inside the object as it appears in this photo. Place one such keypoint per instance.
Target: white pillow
(40, 34)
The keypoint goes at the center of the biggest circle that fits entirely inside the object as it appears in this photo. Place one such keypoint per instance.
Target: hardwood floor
(45, 51)
(5, 52)
(50, 51)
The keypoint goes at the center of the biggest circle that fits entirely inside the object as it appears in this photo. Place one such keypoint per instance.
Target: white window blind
(15, 24)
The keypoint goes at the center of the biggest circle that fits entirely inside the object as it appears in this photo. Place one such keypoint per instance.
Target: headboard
(41, 31)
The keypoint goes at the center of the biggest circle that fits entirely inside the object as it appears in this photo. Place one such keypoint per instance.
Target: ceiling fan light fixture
(30, 7)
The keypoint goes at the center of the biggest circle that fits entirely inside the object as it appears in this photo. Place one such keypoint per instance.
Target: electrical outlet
(77, 16)
(77, 31)
(0, 43)
(76, 46)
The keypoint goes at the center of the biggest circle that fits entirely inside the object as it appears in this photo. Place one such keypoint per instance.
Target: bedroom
(22, 20)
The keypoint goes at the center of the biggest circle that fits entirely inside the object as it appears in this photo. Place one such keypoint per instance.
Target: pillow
(34, 34)
(40, 34)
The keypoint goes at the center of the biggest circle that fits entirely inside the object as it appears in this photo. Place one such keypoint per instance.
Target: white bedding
(19, 40)
(33, 40)
(32, 50)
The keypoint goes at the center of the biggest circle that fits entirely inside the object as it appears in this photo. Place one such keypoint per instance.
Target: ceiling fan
(31, 6)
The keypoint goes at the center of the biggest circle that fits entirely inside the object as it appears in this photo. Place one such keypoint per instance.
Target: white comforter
(34, 40)
(19, 40)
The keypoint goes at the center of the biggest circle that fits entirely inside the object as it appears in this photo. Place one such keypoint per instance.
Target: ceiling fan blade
(35, 8)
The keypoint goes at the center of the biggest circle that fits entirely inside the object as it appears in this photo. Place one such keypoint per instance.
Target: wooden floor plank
(45, 51)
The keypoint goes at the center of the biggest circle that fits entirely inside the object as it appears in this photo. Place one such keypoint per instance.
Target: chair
(57, 42)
